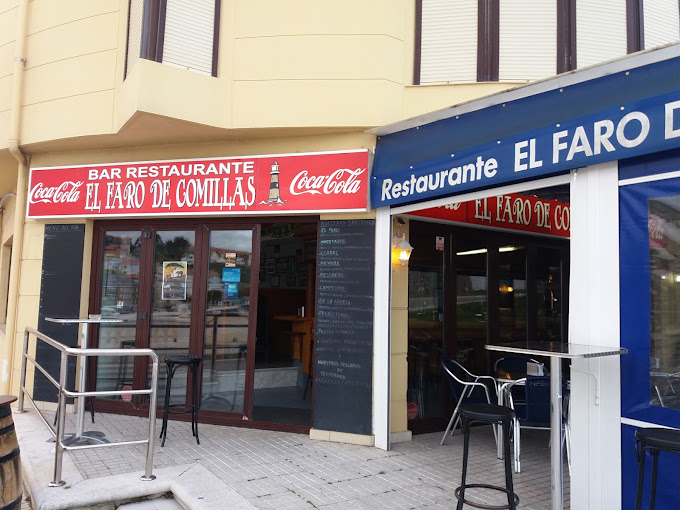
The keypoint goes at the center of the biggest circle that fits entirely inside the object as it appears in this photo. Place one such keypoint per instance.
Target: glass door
(119, 299)
(227, 312)
(171, 302)
(472, 302)
(284, 346)
(193, 287)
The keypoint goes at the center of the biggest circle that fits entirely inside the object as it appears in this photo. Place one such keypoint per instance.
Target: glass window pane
(512, 293)
(171, 303)
(226, 322)
(471, 303)
(549, 295)
(664, 259)
(425, 322)
(119, 293)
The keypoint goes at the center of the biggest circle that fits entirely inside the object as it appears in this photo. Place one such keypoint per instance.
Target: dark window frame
(489, 28)
(488, 40)
(566, 36)
(635, 34)
(153, 32)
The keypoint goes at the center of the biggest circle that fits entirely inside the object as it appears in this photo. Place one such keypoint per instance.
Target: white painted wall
(381, 329)
(594, 320)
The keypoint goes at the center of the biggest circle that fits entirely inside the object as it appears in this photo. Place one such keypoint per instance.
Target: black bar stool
(653, 440)
(495, 415)
(172, 363)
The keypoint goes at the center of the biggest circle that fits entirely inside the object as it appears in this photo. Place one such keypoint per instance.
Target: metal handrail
(58, 433)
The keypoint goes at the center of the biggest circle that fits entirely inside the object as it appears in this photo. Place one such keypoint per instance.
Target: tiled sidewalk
(290, 471)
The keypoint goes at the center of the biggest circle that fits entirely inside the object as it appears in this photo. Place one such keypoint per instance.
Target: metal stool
(172, 363)
(495, 415)
(654, 440)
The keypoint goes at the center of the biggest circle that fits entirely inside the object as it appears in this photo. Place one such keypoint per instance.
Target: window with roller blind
(180, 33)
(517, 40)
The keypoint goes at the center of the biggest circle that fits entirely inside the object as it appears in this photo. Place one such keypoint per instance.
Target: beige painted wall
(399, 340)
(294, 76)
(282, 65)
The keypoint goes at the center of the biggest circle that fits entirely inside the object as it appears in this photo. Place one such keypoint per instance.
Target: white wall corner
(594, 318)
(381, 329)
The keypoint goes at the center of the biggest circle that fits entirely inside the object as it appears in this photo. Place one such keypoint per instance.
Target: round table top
(7, 399)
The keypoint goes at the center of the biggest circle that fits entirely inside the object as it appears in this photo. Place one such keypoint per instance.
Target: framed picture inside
(291, 280)
(282, 265)
(270, 266)
(276, 282)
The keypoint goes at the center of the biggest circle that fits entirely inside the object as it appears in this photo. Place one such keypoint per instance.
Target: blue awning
(477, 144)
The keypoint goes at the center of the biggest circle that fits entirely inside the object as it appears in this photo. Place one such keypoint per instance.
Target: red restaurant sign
(511, 211)
(273, 184)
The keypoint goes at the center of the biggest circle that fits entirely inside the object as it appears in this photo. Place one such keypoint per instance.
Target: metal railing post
(152, 422)
(63, 394)
(22, 379)
(61, 419)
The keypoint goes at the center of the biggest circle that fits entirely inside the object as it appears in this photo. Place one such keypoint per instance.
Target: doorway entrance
(469, 287)
(220, 290)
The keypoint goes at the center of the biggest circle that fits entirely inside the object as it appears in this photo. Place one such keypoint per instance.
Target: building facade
(203, 136)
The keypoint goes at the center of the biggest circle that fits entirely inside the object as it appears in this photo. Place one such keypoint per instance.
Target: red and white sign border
(364, 194)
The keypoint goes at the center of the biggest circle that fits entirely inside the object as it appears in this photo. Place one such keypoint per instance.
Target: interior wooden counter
(302, 332)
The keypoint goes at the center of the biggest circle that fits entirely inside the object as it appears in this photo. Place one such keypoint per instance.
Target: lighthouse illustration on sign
(274, 192)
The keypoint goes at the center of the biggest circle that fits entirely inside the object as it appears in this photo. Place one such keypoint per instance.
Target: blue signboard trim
(505, 114)
(638, 128)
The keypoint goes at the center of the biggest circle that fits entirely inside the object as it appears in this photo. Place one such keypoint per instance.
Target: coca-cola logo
(341, 181)
(67, 191)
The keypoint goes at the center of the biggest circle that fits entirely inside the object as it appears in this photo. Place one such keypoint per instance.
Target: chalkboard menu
(60, 280)
(343, 370)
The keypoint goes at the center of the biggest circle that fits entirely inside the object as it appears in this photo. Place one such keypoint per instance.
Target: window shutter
(134, 46)
(188, 38)
(600, 31)
(661, 23)
(527, 39)
(448, 41)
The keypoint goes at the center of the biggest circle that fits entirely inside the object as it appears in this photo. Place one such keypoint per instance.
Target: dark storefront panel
(59, 298)
(650, 320)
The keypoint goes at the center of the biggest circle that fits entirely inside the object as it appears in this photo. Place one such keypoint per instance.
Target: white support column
(594, 319)
(381, 329)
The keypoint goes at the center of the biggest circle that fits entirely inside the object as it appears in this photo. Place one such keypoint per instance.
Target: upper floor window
(181, 33)
(491, 40)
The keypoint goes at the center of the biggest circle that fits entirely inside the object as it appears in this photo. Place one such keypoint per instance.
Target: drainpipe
(20, 200)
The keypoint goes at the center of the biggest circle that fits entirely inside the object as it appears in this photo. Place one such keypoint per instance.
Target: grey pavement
(242, 468)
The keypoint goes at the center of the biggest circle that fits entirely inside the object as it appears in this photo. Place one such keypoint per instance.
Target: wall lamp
(401, 249)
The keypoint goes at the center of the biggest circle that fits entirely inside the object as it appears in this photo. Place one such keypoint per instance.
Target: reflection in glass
(119, 294)
(471, 304)
(171, 303)
(226, 320)
(512, 294)
(425, 328)
(282, 385)
(549, 295)
(664, 261)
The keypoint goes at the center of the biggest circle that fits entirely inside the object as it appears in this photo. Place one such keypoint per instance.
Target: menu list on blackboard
(344, 326)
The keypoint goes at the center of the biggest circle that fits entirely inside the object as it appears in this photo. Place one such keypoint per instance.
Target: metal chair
(463, 383)
(534, 411)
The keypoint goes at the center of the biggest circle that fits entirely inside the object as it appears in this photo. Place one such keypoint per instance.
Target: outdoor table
(81, 436)
(556, 351)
